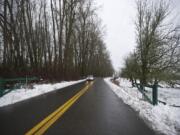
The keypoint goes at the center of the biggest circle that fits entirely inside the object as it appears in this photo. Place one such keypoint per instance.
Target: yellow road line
(41, 127)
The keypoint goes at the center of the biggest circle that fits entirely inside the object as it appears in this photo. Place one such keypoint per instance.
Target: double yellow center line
(41, 127)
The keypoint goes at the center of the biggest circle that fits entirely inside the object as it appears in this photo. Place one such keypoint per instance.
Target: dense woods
(157, 53)
(54, 39)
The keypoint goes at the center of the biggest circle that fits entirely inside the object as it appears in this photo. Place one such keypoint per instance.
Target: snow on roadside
(169, 95)
(38, 89)
(162, 118)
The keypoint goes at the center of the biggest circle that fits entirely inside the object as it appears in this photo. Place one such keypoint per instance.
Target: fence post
(1, 87)
(141, 87)
(155, 93)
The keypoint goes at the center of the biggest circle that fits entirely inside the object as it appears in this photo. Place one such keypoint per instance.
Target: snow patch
(162, 118)
(38, 89)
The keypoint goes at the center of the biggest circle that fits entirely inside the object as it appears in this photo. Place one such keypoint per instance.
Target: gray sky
(118, 16)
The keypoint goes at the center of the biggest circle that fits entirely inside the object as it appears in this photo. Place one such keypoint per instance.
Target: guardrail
(154, 99)
(20, 82)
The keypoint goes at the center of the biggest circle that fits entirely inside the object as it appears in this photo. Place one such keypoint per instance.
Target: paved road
(98, 112)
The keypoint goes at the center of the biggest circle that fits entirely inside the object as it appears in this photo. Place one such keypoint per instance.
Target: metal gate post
(155, 93)
(1, 87)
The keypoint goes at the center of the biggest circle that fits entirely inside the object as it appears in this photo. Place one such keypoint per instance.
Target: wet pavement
(17, 119)
(98, 112)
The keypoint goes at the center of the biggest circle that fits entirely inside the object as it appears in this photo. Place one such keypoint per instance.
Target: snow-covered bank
(38, 89)
(162, 118)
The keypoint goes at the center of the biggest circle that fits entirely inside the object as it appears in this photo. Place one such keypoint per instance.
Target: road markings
(41, 127)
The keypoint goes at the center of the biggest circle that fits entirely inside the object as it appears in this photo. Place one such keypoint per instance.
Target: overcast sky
(118, 16)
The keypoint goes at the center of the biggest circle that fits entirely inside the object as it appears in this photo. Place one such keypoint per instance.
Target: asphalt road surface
(97, 112)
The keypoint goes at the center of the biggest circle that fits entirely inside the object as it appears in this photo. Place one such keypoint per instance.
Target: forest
(52, 39)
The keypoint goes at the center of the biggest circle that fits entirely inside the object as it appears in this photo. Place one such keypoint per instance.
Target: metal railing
(20, 81)
(154, 99)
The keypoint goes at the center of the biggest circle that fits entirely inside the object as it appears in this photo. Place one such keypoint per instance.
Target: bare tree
(53, 39)
(157, 42)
